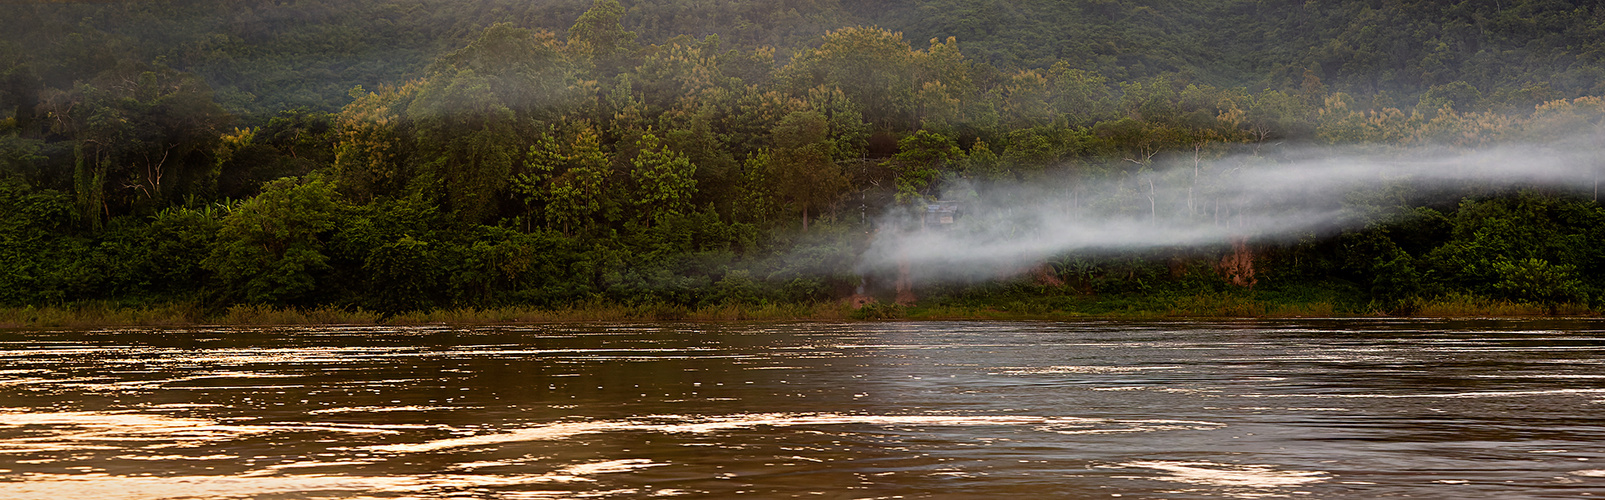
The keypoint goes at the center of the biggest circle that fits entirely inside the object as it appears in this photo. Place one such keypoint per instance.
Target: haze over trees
(405, 155)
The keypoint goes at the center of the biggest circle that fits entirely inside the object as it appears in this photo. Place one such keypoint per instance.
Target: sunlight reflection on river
(1297, 409)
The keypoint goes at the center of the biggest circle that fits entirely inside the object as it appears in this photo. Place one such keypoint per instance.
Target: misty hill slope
(1361, 46)
(263, 57)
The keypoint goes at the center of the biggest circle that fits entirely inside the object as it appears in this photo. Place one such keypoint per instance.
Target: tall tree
(664, 180)
(578, 196)
(872, 66)
(270, 250)
(920, 160)
(144, 136)
(370, 156)
(801, 166)
(599, 39)
(472, 113)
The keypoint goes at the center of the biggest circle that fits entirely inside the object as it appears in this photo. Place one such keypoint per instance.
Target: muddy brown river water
(1264, 409)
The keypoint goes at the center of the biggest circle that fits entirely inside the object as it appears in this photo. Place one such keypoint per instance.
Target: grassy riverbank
(1204, 305)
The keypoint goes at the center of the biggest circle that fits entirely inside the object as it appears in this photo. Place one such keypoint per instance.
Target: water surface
(1308, 409)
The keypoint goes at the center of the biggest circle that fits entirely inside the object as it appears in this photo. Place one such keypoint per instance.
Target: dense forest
(396, 156)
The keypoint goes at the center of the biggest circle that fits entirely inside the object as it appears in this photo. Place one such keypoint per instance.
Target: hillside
(260, 58)
(407, 156)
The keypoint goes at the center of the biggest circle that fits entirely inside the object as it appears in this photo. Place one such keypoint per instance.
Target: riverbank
(1218, 305)
(96, 315)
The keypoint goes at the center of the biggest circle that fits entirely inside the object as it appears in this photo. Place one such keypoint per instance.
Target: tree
(756, 201)
(680, 70)
(691, 131)
(471, 113)
(33, 242)
(598, 38)
(19, 89)
(1274, 114)
(270, 250)
(565, 187)
(1026, 100)
(1539, 281)
(143, 135)
(467, 142)
(1459, 96)
(544, 161)
(800, 165)
(872, 66)
(921, 158)
(1081, 97)
(664, 180)
(370, 156)
(1153, 101)
(525, 70)
(948, 96)
(845, 129)
(405, 275)
(981, 163)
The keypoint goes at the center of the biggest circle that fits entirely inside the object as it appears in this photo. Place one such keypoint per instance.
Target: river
(1097, 409)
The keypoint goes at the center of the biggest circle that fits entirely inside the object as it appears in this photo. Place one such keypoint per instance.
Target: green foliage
(271, 249)
(1395, 278)
(1458, 95)
(467, 142)
(405, 275)
(801, 168)
(756, 204)
(163, 155)
(143, 138)
(736, 287)
(37, 248)
(879, 311)
(920, 159)
(525, 71)
(159, 257)
(871, 66)
(1273, 114)
(19, 157)
(664, 181)
(599, 37)
(370, 153)
(1539, 281)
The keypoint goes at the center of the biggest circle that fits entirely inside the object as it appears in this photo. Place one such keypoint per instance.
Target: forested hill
(398, 156)
(261, 57)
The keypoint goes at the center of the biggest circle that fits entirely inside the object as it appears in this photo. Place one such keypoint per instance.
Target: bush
(1536, 280)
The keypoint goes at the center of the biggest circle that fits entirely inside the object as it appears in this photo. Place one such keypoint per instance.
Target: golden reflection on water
(943, 410)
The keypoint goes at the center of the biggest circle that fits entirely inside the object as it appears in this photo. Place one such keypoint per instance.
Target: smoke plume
(1308, 192)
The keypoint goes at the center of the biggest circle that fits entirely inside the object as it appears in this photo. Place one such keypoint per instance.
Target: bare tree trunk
(155, 172)
(1153, 208)
(805, 217)
(1197, 151)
